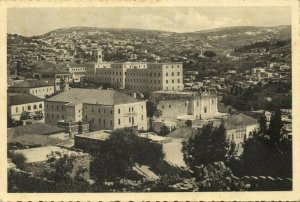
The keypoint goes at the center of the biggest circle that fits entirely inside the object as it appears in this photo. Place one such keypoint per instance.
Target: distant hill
(163, 43)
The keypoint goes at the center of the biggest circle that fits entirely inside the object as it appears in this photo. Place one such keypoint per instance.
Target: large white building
(102, 109)
(139, 76)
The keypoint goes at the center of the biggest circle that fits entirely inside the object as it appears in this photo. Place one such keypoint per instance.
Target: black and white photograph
(149, 99)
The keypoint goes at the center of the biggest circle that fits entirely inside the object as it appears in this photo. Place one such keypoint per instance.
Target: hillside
(219, 40)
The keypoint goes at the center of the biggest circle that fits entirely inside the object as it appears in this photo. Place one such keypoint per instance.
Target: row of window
(36, 91)
(173, 74)
(57, 116)
(103, 121)
(133, 73)
(173, 81)
(34, 107)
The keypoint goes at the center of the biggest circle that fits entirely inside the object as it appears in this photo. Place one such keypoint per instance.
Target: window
(16, 109)
(57, 107)
(142, 117)
(178, 73)
(129, 120)
(119, 121)
(167, 74)
(99, 110)
(167, 81)
(172, 73)
(129, 109)
(178, 80)
(47, 106)
(40, 106)
(205, 109)
(197, 103)
(92, 109)
(169, 106)
(29, 107)
(212, 101)
(132, 109)
(142, 107)
(111, 122)
(172, 80)
(111, 112)
(92, 120)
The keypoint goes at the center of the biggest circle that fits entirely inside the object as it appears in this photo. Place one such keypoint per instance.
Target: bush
(19, 159)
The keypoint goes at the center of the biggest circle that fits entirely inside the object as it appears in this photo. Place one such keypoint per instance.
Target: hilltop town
(145, 110)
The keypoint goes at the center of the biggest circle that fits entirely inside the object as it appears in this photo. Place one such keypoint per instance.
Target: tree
(18, 159)
(263, 124)
(207, 146)
(38, 115)
(209, 54)
(275, 127)
(13, 123)
(164, 130)
(62, 165)
(267, 152)
(151, 108)
(158, 113)
(118, 154)
(25, 115)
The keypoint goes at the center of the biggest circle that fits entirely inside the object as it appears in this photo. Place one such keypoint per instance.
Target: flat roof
(98, 135)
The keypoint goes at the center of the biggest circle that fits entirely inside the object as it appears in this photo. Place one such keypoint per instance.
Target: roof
(22, 99)
(183, 132)
(93, 96)
(240, 120)
(34, 129)
(34, 83)
(54, 71)
(32, 140)
(98, 135)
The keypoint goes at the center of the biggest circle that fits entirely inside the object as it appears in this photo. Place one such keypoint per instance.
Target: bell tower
(98, 55)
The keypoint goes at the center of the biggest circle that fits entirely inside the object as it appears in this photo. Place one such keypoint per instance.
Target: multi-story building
(76, 73)
(198, 107)
(139, 76)
(19, 103)
(102, 109)
(32, 86)
(58, 78)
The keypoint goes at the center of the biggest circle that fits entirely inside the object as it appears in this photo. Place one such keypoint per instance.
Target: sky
(37, 21)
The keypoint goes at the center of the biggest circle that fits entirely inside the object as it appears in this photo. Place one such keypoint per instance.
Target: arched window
(34, 106)
(29, 107)
(40, 106)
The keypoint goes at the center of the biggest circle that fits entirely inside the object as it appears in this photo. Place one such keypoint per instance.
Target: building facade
(102, 109)
(17, 104)
(138, 76)
(202, 107)
(76, 74)
(34, 87)
(58, 78)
